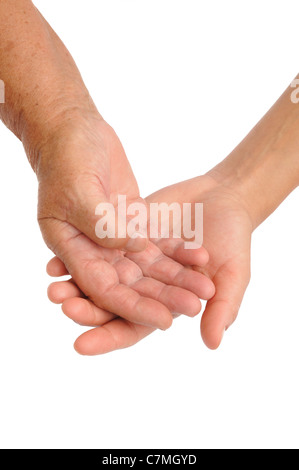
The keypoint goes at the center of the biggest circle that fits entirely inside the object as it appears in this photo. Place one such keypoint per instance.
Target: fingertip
(94, 342)
(56, 268)
(208, 290)
(71, 308)
(53, 293)
(191, 306)
(203, 257)
(87, 350)
(78, 349)
(49, 293)
(199, 253)
(212, 339)
(138, 242)
(58, 292)
(151, 313)
(211, 290)
(50, 268)
(196, 309)
(190, 253)
(167, 322)
(214, 324)
(79, 346)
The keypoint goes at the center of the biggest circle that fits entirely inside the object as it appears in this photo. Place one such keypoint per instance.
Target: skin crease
(228, 267)
(122, 285)
(80, 162)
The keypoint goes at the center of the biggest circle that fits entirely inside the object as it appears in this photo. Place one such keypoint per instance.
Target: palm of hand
(227, 236)
(144, 290)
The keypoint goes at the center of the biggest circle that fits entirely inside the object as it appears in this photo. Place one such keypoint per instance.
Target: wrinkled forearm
(43, 86)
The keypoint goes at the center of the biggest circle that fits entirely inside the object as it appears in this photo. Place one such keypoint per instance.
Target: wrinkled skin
(227, 239)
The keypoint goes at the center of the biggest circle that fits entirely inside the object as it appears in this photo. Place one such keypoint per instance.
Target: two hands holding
(124, 289)
(128, 294)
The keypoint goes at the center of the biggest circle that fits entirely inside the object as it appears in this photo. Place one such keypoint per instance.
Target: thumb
(110, 223)
(222, 310)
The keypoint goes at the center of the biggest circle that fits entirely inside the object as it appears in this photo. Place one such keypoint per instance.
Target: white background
(182, 82)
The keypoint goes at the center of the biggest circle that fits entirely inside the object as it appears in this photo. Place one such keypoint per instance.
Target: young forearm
(264, 168)
(42, 82)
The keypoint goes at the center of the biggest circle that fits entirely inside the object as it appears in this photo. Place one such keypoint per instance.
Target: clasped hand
(126, 290)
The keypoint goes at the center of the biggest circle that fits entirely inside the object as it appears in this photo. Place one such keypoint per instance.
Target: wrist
(40, 129)
(264, 168)
(229, 176)
(260, 180)
(46, 130)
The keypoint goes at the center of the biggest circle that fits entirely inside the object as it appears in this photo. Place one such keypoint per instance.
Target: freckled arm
(40, 77)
